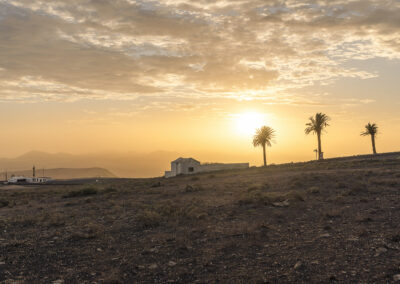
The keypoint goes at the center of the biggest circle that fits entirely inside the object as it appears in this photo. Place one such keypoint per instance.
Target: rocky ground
(319, 222)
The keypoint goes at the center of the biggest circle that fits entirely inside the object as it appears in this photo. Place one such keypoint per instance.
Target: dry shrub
(87, 229)
(169, 211)
(53, 220)
(192, 188)
(256, 196)
(4, 203)
(148, 218)
(313, 190)
(333, 214)
(81, 192)
(356, 189)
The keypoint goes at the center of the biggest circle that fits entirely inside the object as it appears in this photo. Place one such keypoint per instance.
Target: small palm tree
(263, 137)
(371, 129)
(316, 125)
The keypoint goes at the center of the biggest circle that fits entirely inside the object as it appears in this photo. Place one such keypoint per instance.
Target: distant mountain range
(118, 164)
(64, 173)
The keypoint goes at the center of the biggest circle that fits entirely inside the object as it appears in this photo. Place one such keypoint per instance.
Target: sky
(197, 77)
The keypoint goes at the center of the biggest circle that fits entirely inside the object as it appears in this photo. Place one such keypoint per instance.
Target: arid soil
(319, 222)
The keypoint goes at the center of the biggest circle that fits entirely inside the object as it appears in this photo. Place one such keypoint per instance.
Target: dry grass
(229, 227)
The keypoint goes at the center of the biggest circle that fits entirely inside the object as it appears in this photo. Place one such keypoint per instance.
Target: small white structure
(21, 179)
(28, 180)
(184, 166)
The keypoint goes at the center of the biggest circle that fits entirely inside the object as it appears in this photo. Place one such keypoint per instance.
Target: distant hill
(66, 173)
(122, 164)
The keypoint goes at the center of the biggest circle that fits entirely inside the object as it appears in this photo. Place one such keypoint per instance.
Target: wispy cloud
(122, 49)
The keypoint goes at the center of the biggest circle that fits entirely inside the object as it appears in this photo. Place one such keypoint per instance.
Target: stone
(153, 266)
(325, 236)
(380, 251)
(281, 204)
(171, 263)
(396, 277)
(298, 265)
(353, 239)
(315, 262)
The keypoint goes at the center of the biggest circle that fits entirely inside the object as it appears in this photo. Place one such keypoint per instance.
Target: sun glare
(248, 122)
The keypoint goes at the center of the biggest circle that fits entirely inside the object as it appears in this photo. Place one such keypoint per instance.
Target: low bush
(313, 190)
(256, 196)
(4, 203)
(81, 192)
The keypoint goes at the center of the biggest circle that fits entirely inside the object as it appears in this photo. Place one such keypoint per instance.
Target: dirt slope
(336, 221)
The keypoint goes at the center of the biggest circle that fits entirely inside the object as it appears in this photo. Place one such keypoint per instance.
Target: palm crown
(317, 123)
(370, 129)
(263, 136)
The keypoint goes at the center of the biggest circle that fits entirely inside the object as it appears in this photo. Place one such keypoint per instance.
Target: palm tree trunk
(319, 146)
(265, 157)
(373, 144)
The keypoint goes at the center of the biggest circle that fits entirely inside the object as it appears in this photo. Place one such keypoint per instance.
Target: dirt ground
(318, 222)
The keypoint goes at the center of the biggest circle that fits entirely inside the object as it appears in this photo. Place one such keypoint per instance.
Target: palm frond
(263, 136)
(370, 129)
(317, 124)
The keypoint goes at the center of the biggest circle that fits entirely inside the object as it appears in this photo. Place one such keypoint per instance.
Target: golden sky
(196, 77)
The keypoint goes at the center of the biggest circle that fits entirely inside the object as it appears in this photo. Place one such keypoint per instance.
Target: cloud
(124, 49)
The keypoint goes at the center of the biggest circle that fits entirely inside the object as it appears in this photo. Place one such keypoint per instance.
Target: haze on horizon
(196, 77)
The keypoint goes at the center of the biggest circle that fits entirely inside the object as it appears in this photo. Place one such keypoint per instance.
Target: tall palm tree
(371, 129)
(263, 137)
(316, 125)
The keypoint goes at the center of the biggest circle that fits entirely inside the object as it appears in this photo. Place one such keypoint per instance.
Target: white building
(182, 166)
(30, 180)
(21, 179)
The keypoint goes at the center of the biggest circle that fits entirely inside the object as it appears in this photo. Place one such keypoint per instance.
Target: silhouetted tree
(263, 137)
(371, 129)
(316, 125)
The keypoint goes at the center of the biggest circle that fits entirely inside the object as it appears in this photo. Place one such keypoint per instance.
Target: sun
(247, 122)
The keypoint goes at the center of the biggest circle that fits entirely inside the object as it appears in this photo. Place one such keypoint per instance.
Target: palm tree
(371, 129)
(263, 137)
(316, 125)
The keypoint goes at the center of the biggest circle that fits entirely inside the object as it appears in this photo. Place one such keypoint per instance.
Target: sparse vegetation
(187, 230)
(4, 203)
(81, 192)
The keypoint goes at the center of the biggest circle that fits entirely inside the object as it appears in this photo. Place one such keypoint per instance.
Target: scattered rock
(315, 262)
(171, 263)
(299, 265)
(2, 263)
(58, 281)
(153, 266)
(281, 204)
(353, 239)
(326, 235)
(380, 251)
